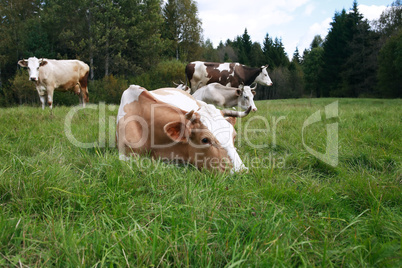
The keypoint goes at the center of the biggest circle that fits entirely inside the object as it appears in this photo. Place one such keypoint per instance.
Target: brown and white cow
(224, 96)
(169, 123)
(59, 75)
(200, 73)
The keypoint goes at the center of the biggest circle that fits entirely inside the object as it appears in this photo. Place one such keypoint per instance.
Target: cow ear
(253, 91)
(43, 62)
(23, 63)
(231, 120)
(177, 131)
(238, 92)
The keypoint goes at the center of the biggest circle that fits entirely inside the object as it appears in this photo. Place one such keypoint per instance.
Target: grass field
(66, 206)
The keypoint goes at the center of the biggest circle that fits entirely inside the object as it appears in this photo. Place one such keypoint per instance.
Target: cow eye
(205, 140)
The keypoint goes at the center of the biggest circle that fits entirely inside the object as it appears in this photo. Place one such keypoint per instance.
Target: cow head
(198, 143)
(33, 64)
(221, 125)
(246, 97)
(263, 78)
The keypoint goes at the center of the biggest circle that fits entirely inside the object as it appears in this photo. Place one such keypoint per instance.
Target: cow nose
(33, 78)
(270, 84)
(254, 109)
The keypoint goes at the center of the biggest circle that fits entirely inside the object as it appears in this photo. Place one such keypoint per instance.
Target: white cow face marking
(33, 64)
(223, 131)
(263, 78)
(247, 99)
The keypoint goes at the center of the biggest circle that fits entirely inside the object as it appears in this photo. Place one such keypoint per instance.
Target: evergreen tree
(237, 45)
(245, 48)
(296, 56)
(312, 67)
(390, 66)
(296, 82)
(257, 58)
(317, 42)
(336, 52)
(389, 27)
(268, 50)
(171, 27)
(209, 53)
(280, 57)
(361, 66)
(358, 75)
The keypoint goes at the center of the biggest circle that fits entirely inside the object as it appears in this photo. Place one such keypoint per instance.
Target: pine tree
(296, 56)
(390, 66)
(312, 67)
(268, 50)
(336, 52)
(389, 27)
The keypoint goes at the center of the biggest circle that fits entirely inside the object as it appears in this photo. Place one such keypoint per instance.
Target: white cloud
(309, 9)
(247, 7)
(227, 19)
(371, 12)
(315, 29)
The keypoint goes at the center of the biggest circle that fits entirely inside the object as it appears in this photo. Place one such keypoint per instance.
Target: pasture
(62, 205)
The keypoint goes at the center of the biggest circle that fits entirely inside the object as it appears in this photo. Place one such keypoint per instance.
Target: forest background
(149, 42)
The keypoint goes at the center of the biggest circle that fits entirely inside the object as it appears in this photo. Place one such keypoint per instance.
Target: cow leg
(50, 98)
(83, 83)
(82, 96)
(42, 95)
(42, 100)
(80, 91)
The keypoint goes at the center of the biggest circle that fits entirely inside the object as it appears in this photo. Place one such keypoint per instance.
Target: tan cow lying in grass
(169, 123)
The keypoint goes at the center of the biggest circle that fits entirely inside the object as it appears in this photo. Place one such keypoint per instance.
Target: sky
(296, 22)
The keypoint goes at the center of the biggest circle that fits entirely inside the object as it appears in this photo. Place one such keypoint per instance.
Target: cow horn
(236, 113)
(174, 83)
(253, 88)
(189, 115)
(182, 82)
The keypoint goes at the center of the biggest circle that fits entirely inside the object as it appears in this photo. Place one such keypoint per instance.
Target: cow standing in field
(59, 75)
(169, 123)
(224, 96)
(200, 74)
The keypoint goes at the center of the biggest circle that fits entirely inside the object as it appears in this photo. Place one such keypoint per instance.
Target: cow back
(63, 74)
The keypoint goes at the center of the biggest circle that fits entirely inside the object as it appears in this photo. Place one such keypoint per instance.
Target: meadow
(63, 205)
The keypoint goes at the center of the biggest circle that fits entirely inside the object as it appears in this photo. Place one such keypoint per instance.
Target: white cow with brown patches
(60, 75)
(169, 123)
(199, 74)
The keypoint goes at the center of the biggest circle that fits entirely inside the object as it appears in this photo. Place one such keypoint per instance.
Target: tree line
(149, 42)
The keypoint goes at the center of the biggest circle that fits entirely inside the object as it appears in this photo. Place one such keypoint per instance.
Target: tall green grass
(65, 206)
